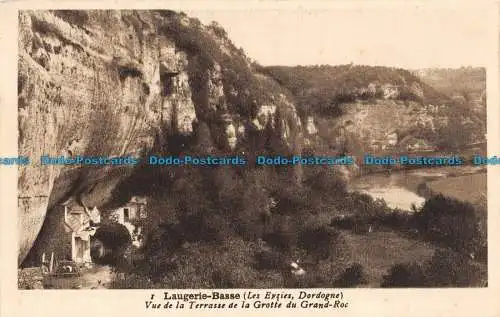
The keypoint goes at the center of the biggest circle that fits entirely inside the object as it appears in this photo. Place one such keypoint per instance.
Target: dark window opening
(126, 214)
(167, 82)
(145, 88)
(125, 72)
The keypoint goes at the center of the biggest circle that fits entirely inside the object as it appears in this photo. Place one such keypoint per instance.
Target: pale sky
(405, 37)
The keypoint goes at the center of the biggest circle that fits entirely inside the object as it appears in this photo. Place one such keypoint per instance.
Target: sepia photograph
(252, 149)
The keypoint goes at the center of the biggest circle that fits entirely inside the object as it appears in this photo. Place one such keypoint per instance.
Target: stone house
(130, 215)
(376, 145)
(73, 231)
(392, 138)
(410, 143)
(372, 88)
(133, 210)
(390, 91)
(420, 145)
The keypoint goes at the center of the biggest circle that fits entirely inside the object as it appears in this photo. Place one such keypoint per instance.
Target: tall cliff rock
(111, 83)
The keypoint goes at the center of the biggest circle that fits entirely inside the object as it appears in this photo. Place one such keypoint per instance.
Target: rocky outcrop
(310, 126)
(378, 120)
(109, 83)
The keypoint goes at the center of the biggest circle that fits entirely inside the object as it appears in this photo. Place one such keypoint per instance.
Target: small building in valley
(421, 145)
(392, 138)
(410, 143)
(377, 145)
(390, 91)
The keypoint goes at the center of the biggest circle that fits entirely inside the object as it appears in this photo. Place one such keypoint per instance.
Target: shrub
(281, 239)
(451, 269)
(396, 219)
(326, 181)
(206, 227)
(343, 222)
(291, 199)
(132, 281)
(361, 204)
(164, 236)
(269, 260)
(406, 95)
(451, 222)
(157, 263)
(405, 275)
(445, 269)
(75, 17)
(351, 277)
(228, 265)
(318, 241)
(320, 275)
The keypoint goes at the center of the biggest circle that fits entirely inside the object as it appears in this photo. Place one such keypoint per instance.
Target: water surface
(400, 189)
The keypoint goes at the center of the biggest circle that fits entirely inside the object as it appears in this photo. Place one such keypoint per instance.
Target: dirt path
(98, 277)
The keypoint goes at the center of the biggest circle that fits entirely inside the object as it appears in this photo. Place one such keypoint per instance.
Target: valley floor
(471, 188)
(378, 251)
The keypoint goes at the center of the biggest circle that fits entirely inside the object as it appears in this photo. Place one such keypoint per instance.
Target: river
(400, 188)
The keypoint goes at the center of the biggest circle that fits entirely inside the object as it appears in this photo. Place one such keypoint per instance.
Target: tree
(351, 277)
(452, 222)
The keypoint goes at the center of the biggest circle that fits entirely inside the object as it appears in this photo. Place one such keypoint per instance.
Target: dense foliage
(454, 223)
(226, 227)
(209, 46)
(445, 269)
(444, 221)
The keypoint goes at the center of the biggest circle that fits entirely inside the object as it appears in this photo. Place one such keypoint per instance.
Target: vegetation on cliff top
(208, 46)
(467, 82)
(321, 89)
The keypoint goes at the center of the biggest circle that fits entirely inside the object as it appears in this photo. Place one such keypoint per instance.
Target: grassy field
(378, 251)
(470, 188)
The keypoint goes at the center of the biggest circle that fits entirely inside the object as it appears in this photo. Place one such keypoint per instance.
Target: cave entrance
(167, 83)
(109, 243)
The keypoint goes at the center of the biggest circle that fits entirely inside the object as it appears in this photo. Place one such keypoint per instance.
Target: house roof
(76, 223)
(73, 204)
(411, 140)
(407, 140)
(390, 86)
(139, 200)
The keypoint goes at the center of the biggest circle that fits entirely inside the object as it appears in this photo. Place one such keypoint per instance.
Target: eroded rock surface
(111, 83)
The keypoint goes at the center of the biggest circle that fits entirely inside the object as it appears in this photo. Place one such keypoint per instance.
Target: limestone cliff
(111, 83)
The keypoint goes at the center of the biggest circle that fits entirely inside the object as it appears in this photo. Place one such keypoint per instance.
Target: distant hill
(466, 82)
(321, 89)
(375, 101)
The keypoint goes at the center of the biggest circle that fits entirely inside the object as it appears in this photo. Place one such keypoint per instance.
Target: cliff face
(377, 120)
(111, 83)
